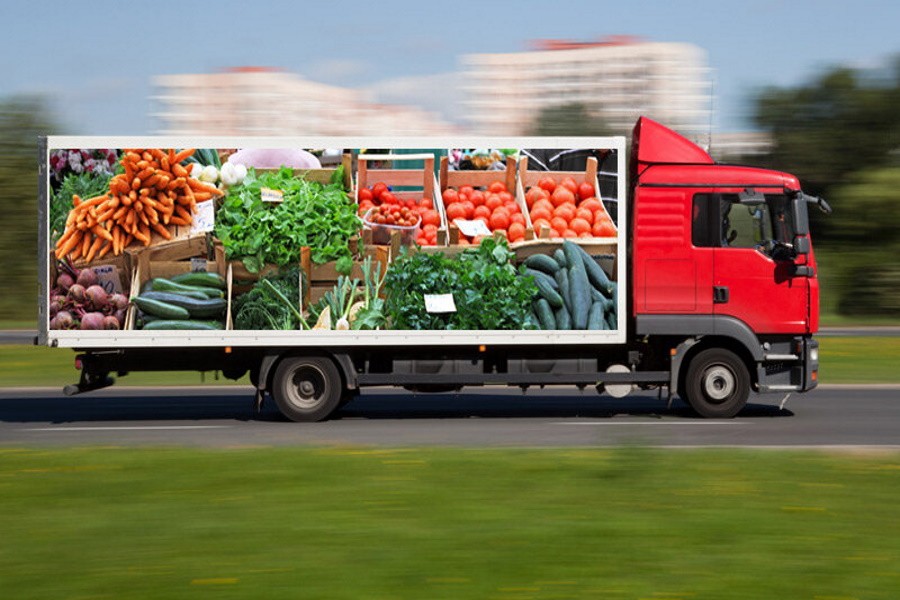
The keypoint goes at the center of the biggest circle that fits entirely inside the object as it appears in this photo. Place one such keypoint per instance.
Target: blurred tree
(568, 119)
(22, 120)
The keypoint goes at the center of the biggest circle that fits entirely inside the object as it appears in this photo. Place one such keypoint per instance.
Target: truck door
(751, 281)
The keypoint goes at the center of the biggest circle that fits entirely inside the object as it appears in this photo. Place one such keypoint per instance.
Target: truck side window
(704, 221)
(744, 226)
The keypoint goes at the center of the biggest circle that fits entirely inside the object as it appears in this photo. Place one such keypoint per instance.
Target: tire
(307, 388)
(717, 384)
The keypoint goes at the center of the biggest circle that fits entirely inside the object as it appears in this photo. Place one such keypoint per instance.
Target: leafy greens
(311, 214)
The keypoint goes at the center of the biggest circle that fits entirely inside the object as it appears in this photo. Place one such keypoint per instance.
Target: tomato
(388, 198)
(493, 202)
(579, 226)
(482, 211)
(506, 196)
(364, 195)
(365, 205)
(540, 212)
(583, 213)
(511, 206)
(470, 208)
(499, 220)
(569, 184)
(547, 183)
(604, 229)
(566, 211)
(559, 224)
(585, 190)
(517, 218)
(410, 202)
(540, 224)
(450, 196)
(543, 203)
(592, 204)
(568, 233)
(378, 189)
(516, 232)
(497, 187)
(467, 190)
(534, 194)
(431, 217)
(456, 211)
(426, 203)
(562, 195)
(477, 197)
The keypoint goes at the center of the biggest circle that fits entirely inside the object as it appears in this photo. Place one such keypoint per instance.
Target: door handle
(720, 294)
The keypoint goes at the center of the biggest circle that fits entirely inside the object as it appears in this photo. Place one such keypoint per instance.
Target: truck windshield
(720, 220)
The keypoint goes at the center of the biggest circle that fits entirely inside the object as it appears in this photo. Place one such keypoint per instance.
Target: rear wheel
(307, 388)
(717, 383)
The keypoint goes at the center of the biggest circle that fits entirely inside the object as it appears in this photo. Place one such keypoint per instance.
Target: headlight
(814, 354)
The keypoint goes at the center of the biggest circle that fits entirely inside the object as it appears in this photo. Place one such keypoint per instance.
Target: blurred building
(617, 79)
(261, 101)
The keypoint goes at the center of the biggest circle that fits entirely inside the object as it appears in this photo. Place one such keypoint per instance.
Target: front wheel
(307, 388)
(717, 384)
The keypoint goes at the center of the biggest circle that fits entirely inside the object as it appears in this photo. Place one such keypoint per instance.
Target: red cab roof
(654, 144)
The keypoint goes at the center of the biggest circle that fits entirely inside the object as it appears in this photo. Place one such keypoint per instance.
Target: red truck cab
(722, 254)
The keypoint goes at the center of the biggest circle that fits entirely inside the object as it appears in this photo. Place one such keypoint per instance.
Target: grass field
(433, 523)
(843, 360)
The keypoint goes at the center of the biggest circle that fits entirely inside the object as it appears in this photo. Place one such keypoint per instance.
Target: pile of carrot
(155, 192)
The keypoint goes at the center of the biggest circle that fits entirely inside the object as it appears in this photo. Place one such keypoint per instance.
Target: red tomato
(566, 211)
(585, 190)
(517, 218)
(562, 195)
(583, 213)
(543, 203)
(541, 223)
(431, 217)
(516, 232)
(569, 184)
(541, 212)
(482, 211)
(499, 219)
(388, 198)
(493, 202)
(604, 228)
(467, 190)
(592, 204)
(364, 195)
(378, 189)
(477, 197)
(579, 226)
(547, 183)
(559, 225)
(497, 187)
(568, 233)
(450, 196)
(470, 208)
(456, 211)
(426, 203)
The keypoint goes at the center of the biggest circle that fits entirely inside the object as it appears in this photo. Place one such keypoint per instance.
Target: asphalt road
(832, 416)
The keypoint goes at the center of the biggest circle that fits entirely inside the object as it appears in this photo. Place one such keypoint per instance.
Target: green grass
(438, 523)
(843, 360)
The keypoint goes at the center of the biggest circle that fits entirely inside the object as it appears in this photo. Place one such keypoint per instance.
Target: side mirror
(801, 215)
(801, 244)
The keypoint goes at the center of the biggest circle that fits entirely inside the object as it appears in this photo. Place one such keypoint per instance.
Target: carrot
(178, 221)
(199, 186)
(182, 213)
(76, 200)
(73, 241)
(146, 173)
(152, 180)
(101, 233)
(145, 229)
(95, 246)
(135, 183)
(186, 153)
(107, 215)
(161, 230)
(139, 235)
(85, 245)
(178, 170)
(104, 250)
(176, 183)
(144, 218)
(202, 196)
(68, 233)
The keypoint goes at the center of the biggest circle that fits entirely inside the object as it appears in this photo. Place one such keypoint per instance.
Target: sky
(95, 60)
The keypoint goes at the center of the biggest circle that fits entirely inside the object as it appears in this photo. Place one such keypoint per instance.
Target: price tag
(109, 279)
(204, 217)
(198, 265)
(439, 303)
(270, 195)
(472, 228)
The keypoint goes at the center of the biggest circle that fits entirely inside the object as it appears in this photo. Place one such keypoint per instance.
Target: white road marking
(650, 423)
(129, 428)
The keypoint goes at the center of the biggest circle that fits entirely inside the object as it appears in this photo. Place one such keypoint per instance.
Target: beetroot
(92, 320)
(87, 277)
(64, 281)
(57, 303)
(76, 293)
(120, 317)
(110, 322)
(96, 297)
(118, 301)
(62, 320)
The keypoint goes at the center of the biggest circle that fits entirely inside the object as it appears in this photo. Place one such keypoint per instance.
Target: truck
(713, 295)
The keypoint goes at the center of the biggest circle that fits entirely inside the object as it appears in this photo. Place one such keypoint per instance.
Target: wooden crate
(177, 256)
(527, 179)
(478, 180)
(144, 271)
(422, 180)
(322, 278)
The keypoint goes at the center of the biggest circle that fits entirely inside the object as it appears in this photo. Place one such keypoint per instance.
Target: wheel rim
(306, 387)
(719, 383)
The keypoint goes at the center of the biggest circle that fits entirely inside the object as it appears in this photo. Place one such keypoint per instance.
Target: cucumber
(165, 285)
(183, 324)
(544, 313)
(595, 316)
(562, 278)
(211, 307)
(200, 278)
(542, 262)
(560, 258)
(597, 296)
(541, 275)
(611, 321)
(572, 252)
(545, 288)
(165, 295)
(563, 318)
(161, 309)
(596, 275)
(580, 293)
